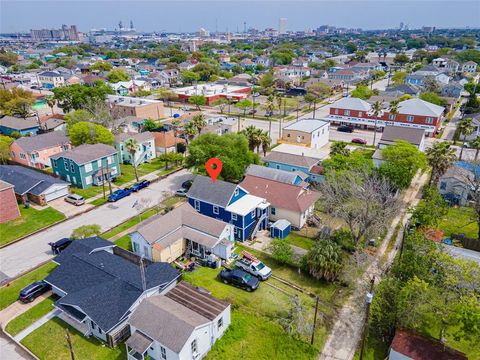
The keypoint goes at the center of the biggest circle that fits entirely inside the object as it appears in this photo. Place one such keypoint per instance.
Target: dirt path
(347, 330)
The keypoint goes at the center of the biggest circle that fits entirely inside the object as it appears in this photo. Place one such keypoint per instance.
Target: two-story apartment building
(51, 79)
(122, 106)
(35, 151)
(231, 204)
(413, 113)
(145, 150)
(307, 132)
(87, 165)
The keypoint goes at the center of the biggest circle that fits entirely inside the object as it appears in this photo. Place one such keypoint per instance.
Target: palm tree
(199, 122)
(440, 157)
(376, 110)
(270, 107)
(253, 136)
(465, 127)
(475, 144)
(131, 145)
(266, 142)
(51, 102)
(393, 108)
(190, 131)
(339, 148)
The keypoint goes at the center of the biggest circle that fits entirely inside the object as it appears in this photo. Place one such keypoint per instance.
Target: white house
(183, 324)
(308, 132)
(469, 67)
(145, 151)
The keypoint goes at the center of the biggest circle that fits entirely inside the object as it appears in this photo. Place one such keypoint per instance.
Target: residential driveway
(34, 250)
(68, 209)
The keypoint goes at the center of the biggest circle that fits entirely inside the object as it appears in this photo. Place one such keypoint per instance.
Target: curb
(18, 343)
(159, 177)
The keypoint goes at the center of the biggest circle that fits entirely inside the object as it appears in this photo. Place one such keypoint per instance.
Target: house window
(443, 185)
(234, 216)
(346, 112)
(194, 347)
(272, 211)
(65, 162)
(220, 323)
(253, 214)
(336, 111)
(54, 162)
(293, 169)
(22, 156)
(215, 210)
(278, 166)
(288, 135)
(13, 154)
(163, 352)
(429, 120)
(391, 117)
(236, 192)
(65, 147)
(72, 168)
(197, 205)
(360, 113)
(410, 118)
(93, 325)
(88, 167)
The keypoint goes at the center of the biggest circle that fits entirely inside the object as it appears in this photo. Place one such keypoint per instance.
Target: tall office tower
(282, 26)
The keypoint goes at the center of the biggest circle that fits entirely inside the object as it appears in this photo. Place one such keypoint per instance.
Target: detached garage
(32, 185)
(280, 229)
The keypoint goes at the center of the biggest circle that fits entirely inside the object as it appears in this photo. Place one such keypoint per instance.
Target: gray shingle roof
(287, 177)
(291, 159)
(87, 152)
(104, 285)
(140, 137)
(16, 123)
(43, 141)
(411, 135)
(218, 193)
(27, 180)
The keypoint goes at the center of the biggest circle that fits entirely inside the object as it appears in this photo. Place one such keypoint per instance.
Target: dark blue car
(139, 185)
(119, 194)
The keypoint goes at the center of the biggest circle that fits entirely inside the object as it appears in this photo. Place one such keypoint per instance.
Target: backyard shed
(280, 229)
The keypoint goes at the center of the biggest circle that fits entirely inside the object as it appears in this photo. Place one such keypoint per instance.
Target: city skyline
(234, 15)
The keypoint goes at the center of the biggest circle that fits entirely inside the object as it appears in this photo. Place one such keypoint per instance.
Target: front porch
(137, 346)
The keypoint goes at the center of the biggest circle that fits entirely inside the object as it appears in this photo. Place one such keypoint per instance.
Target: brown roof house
(287, 201)
(183, 324)
(167, 237)
(8, 202)
(165, 142)
(407, 345)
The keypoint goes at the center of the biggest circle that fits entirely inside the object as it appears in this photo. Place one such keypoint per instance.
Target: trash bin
(27, 204)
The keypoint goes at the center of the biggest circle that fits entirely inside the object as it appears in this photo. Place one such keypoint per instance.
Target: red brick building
(412, 113)
(8, 203)
(214, 91)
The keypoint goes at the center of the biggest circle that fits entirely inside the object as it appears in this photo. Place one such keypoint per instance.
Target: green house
(87, 165)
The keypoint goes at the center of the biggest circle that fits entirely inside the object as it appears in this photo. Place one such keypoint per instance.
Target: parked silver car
(75, 199)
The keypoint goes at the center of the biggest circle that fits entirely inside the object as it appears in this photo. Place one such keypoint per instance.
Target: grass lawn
(459, 220)
(91, 191)
(9, 293)
(252, 337)
(30, 316)
(48, 343)
(29, 221)
(124, 242)
(298, 240)
(169, 171)
(172, 200)
(99, 201)
(129, 223)
(128, 172)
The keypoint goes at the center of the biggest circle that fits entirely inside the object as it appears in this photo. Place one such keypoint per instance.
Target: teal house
(87, 165)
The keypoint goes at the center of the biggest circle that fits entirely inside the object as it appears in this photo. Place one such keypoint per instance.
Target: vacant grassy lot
(128, 172)
(9, 292)
(48, 343)
(29, 221)
(91, 191)
(459, 220)
(298, 240)
(30, 316)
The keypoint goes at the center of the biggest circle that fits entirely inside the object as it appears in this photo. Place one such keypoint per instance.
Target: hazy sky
(176, 16)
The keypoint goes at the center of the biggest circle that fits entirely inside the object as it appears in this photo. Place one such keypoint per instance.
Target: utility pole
(69, 341)
(368, 300)
(314, 321)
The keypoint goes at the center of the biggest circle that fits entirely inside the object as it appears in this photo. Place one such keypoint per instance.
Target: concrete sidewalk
(24, 333)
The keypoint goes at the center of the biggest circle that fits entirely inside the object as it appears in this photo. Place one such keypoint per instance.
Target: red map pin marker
(213, 167)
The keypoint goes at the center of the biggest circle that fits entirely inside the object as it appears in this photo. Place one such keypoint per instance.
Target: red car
(359, 141)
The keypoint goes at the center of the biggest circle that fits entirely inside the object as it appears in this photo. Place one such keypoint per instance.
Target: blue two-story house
(292, 162)
(231, 204)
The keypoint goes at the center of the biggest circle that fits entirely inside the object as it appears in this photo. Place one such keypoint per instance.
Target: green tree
(131, 145)
(78, 96)
(281, 251)
(5, 142)
(267, 80)
(51, 102)
(401, 163)
(398, 77)
(190, 130)
(8, 58)
(149, 125)
(475, 144)
(231, 149)
(253, 135)
(440, 157)
(199, 122)
(316, 92)
(76, 116)
(221, 103)
(376, 110)
(339, 148)
(16, 101)
(89, 133)
(197, 100)
(431, 209)
(86, 231)
(266, 142)
(101, 66)
(189, 77)
(351, 47)
(354, 161)
(117, 75)
(324, 260)
(465, 127)
(401, 59)
(362, 92)
(244, 105)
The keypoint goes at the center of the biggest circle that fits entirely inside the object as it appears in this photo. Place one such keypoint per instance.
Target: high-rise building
(64, 33)
(282, 26)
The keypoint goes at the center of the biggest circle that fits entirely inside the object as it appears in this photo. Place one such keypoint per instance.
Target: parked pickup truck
(119, 194)
(252, 265)
(239, 278)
